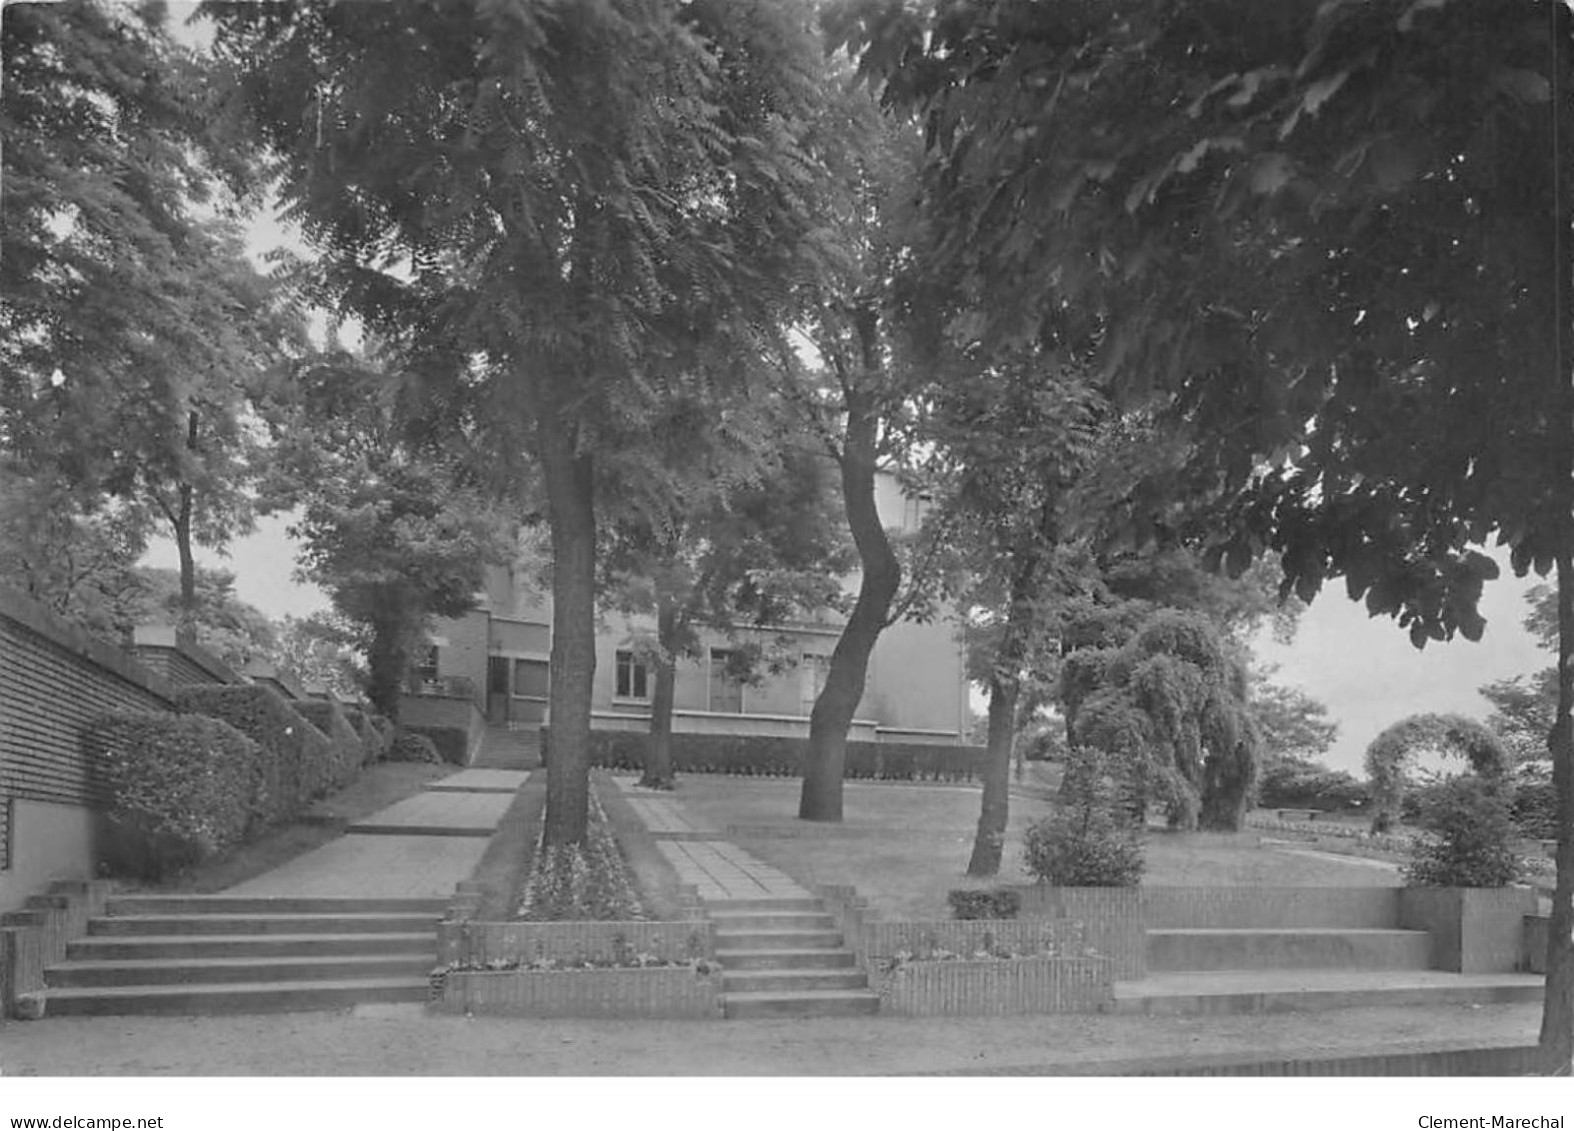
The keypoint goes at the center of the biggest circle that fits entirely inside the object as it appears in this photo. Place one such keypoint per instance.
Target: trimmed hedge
(770, 756)
(452, 743)
(999, 903)
(302, 755)
(183, 787)
(413, 747)
(387, 731)
(373, 742)
(349, 752)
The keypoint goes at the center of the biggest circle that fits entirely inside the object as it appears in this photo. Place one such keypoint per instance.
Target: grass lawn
(905, 846)
(376, 788)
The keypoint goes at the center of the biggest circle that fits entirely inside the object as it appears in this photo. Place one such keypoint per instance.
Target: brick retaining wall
(994, 987)
(477, 943)
(677, 992)
(36, 937)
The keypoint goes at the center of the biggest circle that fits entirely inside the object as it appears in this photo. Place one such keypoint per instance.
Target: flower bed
(581, 882)
(1355, 841)
(992, 985)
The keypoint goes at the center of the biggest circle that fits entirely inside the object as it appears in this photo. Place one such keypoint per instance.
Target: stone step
(237, 997)
(1199, 994)
(396, 828)
(1305, 948)
(778, 940)
(738, 906)
(269, 905)
(735, 921)
(810, 1003)
(210, 971)
(256, 924)
(784, 959)
(117, 948)
(783, 981)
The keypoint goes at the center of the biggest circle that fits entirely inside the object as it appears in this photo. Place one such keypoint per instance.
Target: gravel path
(404, 1040)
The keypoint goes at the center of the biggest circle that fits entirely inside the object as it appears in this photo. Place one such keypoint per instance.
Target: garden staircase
(207, 954)
(785, 958)
(503, 748)
(1318, 956)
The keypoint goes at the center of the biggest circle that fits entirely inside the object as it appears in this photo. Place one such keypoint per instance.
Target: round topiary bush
(1089, 841)
(412, 747)
(1470, 832)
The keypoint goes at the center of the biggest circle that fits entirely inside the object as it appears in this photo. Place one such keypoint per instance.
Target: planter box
(473, 942)
(1474, 930)
(995, 987)
(674, 992)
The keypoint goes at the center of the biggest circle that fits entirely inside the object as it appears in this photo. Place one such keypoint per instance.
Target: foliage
(184, 787)
(1471, 833)
(1169, 706)
(390, 527)
(349, 752)
(764, 756)
(1290, 723)
(1391, 753)
(374, 740)
(410, 746)
(230, 628)
(1291, 783)
(299, 758)
(1002, 903)
(451, 743)
(1090, 839)
(315, 652)
(1535, 804)
(580, 882)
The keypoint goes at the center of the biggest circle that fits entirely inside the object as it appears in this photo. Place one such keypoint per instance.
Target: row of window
(632, 680)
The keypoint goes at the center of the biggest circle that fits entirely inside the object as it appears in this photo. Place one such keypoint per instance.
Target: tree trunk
(388, 659)
(990, 839)
(1557, 1016)
(821, 799)
(571, 515)
(658, 757)
(183, 521)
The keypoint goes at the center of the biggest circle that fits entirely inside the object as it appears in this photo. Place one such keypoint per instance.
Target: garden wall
(54, 679)
(179, 660)
(782, 756)
(35, 937)
(453, 723)
(674, 992)
(1474, 930)
(468, 942)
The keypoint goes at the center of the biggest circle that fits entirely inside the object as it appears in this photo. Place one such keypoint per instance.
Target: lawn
(905, 846)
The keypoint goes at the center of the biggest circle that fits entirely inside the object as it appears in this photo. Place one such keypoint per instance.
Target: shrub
(1470, 829)
(372, 744)
(182, 787)
(386, 731)
(1535, 805)
(298, 770)
(1088, 841)
(349, 753)
(780, 756)
(451, 743)
(1290, 784)
(1002, 903)
(412, 747)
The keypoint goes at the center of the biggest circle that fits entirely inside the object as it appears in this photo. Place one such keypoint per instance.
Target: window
(726, 693)
(427, 667)
(632, 677)
(914, 507)
(531, 679)
(812, 670)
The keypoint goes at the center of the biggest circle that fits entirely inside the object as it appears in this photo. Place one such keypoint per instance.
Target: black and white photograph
(863, 552)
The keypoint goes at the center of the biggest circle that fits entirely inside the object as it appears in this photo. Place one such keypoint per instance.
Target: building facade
(498, 658)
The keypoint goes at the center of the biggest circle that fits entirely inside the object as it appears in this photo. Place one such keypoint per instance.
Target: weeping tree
(1171, 706)
(1392, 753)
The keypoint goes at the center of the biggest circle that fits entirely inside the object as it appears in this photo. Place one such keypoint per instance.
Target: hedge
(452, 743)
(182, 787)
(412, 747)
(349, 752)
(386, 730)
(373, 741)
(302, 755)
(772, 756)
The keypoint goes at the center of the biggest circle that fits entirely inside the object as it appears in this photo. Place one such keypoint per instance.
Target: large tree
(1297, 220)
(561, 208)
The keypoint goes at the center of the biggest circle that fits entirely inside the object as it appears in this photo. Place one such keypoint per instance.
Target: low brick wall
(36, 937)
(883, 938)
(1270, 908)
(674, 992)
(477, 943)
(1111, 919)
(994, 987)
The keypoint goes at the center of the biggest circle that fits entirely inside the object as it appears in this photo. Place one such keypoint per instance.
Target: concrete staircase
(1277, 959)
(241, 954)
(505, 749)
(785, 958)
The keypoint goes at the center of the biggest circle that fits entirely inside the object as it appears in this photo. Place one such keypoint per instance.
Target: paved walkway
(719, 870)
(418, 848)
